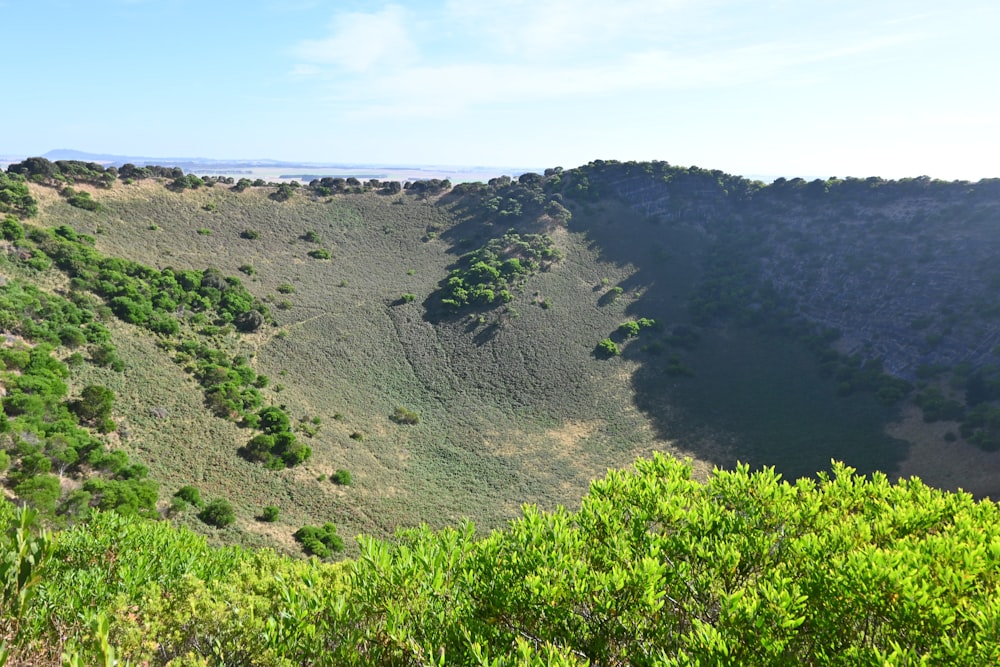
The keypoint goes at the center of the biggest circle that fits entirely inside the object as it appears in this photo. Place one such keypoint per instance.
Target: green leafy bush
(403, 415)
(632, 328)
(80, 200)
(741, 569)
(629, 329)
(341, 477)
(218, 513)
(15, 197)
(320, 541)
(607, 348)
(190, 495)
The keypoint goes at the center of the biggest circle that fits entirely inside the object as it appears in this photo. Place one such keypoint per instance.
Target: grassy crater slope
(512, 409)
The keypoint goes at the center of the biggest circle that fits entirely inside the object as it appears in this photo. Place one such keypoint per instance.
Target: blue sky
(767, 88)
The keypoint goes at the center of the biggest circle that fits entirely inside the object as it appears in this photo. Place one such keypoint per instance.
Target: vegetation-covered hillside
(291, 365)
(369, 355)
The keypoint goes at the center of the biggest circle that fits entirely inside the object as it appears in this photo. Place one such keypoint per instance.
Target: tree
(41, 492)
(283, 193)
(258, 450)
(94, 405)
(249, 321)
(273, 420)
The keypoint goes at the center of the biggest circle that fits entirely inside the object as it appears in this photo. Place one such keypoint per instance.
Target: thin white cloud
(288, 7)
(528, 27)
(606, 49)
(304, 71)
(866, 45)
(453, 88)
(359, 42)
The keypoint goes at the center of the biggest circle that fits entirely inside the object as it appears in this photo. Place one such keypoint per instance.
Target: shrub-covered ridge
(654, 569)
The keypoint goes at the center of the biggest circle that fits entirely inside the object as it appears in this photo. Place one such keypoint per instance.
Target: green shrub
(106, 355)
(273, 420)
(319, 541)
(11, 229)
(218, 513)
(402, 415)
(80, 200)
(270, 514)
(486, 278)
(629, 329)
(190, 495)
(341, 477)
(320, 253)
(607, 348)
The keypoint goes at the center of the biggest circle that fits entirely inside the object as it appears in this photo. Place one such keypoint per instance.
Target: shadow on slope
(726, 393)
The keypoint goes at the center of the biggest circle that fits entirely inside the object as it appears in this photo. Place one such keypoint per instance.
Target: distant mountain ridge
(118, 160)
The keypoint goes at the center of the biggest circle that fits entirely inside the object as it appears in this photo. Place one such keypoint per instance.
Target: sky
(810, 88)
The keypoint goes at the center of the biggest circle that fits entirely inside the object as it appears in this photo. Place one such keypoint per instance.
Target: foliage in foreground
(654, 569)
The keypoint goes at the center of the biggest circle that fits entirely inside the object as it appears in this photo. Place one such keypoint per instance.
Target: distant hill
(286, 170)
(118, 160)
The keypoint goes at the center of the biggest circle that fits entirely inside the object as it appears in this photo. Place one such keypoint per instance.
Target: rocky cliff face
(907, 271)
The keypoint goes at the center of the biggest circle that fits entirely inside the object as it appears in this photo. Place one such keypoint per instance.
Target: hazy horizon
(892, 89)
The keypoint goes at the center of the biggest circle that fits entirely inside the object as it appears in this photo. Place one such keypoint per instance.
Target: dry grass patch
(949, 465)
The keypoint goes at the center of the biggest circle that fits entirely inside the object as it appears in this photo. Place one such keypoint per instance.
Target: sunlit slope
(516, 409)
